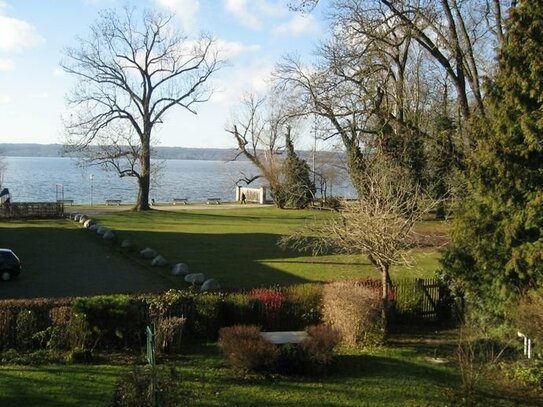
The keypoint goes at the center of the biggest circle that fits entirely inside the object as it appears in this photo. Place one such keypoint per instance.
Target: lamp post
(91, 187)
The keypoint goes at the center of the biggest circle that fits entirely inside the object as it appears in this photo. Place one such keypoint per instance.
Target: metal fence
(32, 210)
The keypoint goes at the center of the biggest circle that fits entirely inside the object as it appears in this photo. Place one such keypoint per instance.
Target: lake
(45, 179)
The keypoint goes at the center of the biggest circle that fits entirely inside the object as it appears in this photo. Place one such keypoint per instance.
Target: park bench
(113, 201)
(213, 200)
(184, 201)
(65, 201)
(284, 337)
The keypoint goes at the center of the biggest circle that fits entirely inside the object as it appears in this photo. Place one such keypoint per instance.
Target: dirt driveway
(70, 261)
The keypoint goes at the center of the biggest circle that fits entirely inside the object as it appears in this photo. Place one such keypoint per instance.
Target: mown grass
(239, 247)
(399, 375)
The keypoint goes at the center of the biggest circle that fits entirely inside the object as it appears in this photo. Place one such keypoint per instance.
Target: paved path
(66, 262)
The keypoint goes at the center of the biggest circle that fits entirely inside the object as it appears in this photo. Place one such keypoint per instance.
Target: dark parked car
(10, 265)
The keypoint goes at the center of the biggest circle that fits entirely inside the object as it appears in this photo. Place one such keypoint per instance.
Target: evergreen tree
(297, 190)
(496, 251)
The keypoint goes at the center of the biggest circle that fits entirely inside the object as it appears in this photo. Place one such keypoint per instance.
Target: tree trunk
(385, 295)
(144, 180)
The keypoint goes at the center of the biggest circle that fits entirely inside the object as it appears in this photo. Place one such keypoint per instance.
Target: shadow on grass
(62, 260)
(234, 259)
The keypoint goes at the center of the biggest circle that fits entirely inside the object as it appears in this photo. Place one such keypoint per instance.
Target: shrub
(528, 315)
(26, 328)
(245, 349)
(531, 376)
(6, 317)
(355, 312)
(134, 389)
(320, 344)
(240, 309)
(79, 355)
(207, 315)
(114, 321)
(303, 306)
(271, 303)
(169, 332)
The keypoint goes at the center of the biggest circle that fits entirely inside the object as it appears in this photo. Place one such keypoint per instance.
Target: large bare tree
(131, 70)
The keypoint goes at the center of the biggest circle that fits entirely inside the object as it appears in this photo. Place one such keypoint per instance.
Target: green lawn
(401, 374)
(239, 247)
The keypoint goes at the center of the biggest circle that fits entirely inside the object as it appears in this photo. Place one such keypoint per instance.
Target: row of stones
(179, 269)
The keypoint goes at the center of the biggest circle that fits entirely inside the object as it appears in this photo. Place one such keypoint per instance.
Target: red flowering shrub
(271, 304)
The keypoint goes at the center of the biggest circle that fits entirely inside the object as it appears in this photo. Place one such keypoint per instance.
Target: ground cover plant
(238, 247)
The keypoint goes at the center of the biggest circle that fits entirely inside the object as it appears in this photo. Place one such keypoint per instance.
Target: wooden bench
(113, 201)
(213, 200)
(284, 337)
(66, 201)
(184, 201)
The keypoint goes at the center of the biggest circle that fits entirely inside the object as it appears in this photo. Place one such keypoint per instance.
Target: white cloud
(185, 10)
(6, 64)
(253, 78)
(239, 8)
(298, 25)
(5, 99)
(16, 34)
(58, 71)
(230, 49)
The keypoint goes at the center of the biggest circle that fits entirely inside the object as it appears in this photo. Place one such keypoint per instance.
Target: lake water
(44, 179)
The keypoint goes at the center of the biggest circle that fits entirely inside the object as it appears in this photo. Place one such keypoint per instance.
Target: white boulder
(195, 278)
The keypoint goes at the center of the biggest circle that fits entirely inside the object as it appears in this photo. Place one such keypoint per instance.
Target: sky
(34, 34)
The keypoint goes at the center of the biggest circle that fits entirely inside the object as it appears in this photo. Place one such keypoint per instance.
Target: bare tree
(131, 71)
(258, 129)
(378, 225)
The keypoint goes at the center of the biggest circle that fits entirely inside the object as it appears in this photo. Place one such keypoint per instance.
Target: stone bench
(65, 201)
(213, 200)
(184, 201)
(113, 201)
(284, 337)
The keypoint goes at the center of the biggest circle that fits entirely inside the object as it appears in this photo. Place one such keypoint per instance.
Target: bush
(79, 355)
(135, 389)
(240, 309)
(527, 316)
(303, 306)
(531, 376)
(114, 321)
(26, 328)
(355, 312)
(206, 320)
(245, 349)
(320, 344)
(271, 305)
(169, 332)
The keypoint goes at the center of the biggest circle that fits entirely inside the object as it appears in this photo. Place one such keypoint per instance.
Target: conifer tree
(297, 190)
(496, 251)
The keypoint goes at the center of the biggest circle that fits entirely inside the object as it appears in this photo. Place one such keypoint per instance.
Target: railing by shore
(32, 210)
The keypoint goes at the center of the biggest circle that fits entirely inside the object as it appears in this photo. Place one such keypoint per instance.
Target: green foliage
(296, 190)
(303, 305)
(114, 321)
(79, 355)
(529, 375)
(26, 328)
(527, 315)
(497, 243)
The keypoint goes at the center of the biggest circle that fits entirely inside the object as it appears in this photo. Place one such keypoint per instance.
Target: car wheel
(5, 276)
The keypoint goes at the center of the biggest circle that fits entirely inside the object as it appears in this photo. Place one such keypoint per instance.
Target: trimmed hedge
(118, 321)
